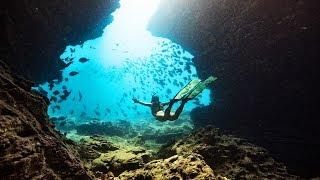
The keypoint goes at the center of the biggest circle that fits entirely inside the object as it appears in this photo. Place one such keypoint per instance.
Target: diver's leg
(179, 110)
(168, 110)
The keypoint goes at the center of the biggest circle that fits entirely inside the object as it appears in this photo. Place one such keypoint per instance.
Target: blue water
(125, 62)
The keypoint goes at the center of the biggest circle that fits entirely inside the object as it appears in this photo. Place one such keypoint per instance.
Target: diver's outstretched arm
(140, 102)
(166, 103)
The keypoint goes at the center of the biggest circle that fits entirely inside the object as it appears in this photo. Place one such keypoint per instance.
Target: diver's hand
(135, 100)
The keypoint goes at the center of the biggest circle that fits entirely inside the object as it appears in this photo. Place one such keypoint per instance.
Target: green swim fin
(186, 89)
(200, 87)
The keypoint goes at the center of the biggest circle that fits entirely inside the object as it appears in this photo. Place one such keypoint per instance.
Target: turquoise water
(125, 62)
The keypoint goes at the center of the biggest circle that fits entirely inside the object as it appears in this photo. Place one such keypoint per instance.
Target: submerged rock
(90, 149)
(229, 156)
(120, 160)
(187, 166)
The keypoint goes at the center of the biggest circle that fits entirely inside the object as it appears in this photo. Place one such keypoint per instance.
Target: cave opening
(127, 61)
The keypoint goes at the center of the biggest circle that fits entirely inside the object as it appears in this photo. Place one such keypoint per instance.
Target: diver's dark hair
(154, 97)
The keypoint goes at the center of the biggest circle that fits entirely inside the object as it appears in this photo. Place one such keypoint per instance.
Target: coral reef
(29, 146)
(228, 156)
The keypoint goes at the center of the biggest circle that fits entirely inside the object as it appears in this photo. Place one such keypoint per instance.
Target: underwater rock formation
(121, 160)
(90, 149)
(204, 154)
(228, 156)
(35, 33)
(29, 146)
(265, 55)
(110, 156)
(187, 166)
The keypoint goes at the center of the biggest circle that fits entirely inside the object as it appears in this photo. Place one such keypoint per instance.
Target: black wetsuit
(156, 107)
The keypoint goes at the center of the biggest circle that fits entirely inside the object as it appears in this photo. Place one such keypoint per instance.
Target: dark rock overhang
(264, 53)
(35, 33)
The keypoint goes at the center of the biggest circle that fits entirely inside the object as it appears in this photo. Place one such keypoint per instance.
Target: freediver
(157, 108)
(190, 91)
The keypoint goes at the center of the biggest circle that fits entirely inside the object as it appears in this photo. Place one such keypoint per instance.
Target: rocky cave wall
(30, 148)
(264, 53)
(34, 33)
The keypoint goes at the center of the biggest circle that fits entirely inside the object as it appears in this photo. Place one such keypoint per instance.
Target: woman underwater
(190, 91)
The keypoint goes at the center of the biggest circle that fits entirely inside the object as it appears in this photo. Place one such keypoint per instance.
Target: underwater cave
(159, 89)
(104, 74)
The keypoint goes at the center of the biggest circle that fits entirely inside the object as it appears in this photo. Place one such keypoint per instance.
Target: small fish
(66, 93)
(56, 92)
(80, 96)
(83, 60)
(185, 58)
(73, 73)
